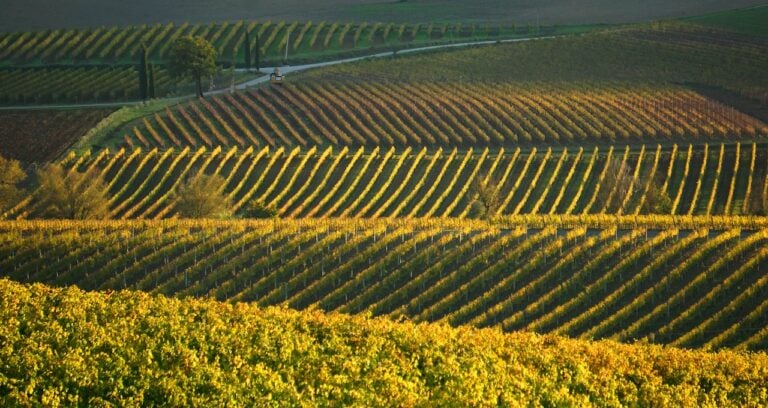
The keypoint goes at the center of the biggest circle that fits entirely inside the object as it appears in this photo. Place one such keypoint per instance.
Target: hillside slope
(44, 135)
(447, 114)
(673, 52)
(64, 346)
(724, 179)
(693, 282)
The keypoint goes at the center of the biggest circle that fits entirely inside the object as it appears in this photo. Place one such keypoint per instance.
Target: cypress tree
(152, 81)
(247, 50)
(257, 60)
(143, 73)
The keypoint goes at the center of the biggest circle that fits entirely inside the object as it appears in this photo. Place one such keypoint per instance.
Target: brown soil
(43, 135)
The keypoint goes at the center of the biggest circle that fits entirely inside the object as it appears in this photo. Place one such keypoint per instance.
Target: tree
(247, 49)
(143, 74)
(615, 185)
(487, 200)
(11, 175)
(151, 81)
(657, 201)
(257, 209)
(193, 57)
(257, 55)
(73, 195)
(758, 205)
(203, 197)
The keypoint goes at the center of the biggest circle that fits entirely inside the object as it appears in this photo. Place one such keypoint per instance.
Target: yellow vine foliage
(66, 347)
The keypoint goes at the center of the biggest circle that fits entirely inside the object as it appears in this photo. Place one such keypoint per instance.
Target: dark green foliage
(152, 79)
(193, 57)
(247, 49)
(657, 201)
(257, 55)
(143, 74)
(257, 209)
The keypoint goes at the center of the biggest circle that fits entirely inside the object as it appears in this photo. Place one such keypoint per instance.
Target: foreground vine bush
(69, 347)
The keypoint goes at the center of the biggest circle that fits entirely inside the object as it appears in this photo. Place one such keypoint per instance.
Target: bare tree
(758, 204)
(615, 185)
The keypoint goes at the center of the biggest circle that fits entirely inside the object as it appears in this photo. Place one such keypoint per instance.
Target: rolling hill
(416, 183)
(690, 282)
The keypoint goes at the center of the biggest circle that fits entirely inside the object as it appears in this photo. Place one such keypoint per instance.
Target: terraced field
(386, 183)
(446, 114)
(694, 285)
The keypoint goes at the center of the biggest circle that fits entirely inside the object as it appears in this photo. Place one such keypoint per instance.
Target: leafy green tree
(193, 57)
(71, 195)
(203, 197)
(11, 175)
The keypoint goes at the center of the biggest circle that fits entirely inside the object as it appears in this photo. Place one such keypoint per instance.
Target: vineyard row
(49, 85)
(120, 44)
(440, 114)
(686, 287)
(387, 183)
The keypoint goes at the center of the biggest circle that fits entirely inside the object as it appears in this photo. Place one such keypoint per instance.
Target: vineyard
(303, 39)
(445, 114)
(40, 86)
(44, 135)
(672, 52)
(692, 286)
(95, 84)
(386, 183)
(129, 348)
(445, 213)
